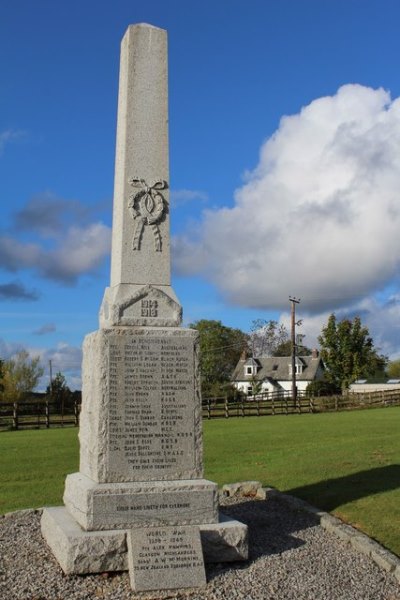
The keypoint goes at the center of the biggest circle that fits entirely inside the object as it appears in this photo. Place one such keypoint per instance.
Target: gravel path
(291, 557)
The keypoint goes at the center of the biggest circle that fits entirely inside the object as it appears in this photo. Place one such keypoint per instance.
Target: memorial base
(136, 504)
(81, 552)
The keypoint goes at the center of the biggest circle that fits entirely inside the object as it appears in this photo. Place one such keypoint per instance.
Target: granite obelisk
(140, 477)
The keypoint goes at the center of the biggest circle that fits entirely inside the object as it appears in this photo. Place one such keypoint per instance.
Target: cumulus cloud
(319, 217)
(80, 251)
(16, 291)
(381, 316)
(57, 239)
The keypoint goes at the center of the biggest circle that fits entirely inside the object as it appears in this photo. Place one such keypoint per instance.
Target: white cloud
(381, 317)
(79, 251)
(319, 217)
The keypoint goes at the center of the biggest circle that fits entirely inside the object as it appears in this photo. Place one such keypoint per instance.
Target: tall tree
(21, 375)
(348, 351)
(267, 336)
(393, 369)
(58, 390)
(220, 350)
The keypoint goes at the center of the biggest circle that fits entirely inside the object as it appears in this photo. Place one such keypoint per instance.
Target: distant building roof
(277, 367)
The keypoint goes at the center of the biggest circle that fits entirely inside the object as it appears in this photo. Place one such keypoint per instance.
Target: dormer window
(298, 367)
(250, 368)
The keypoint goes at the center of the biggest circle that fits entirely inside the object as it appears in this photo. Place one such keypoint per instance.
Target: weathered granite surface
(141, 409)
(80, 552)
(165, 558)
(141, 462)
(140, 233)
(135, 504)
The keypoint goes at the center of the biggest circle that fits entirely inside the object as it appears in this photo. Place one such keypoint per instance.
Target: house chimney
(315, 353)
(243, 356)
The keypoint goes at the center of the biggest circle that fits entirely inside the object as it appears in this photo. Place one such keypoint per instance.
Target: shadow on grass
(332, 493)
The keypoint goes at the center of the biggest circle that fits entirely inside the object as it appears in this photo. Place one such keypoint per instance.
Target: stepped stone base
(135, 504)
(80, 552)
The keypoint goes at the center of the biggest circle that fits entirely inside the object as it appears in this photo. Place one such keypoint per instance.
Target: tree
(285, 349)
(20, 376)
(393, 369)
(58, 390)
(266, 337)
(348, 352)
(220, 350)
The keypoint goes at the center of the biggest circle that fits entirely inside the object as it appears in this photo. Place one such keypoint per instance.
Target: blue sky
(284, 163)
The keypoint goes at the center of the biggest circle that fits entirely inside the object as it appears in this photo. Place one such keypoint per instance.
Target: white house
(274, 373)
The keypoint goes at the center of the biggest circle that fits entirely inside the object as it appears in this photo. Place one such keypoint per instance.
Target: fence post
(336, 403)
(208, 408)
(47, 412)
(15, 415)
(242, 407)
(76, 413)
(226, 407)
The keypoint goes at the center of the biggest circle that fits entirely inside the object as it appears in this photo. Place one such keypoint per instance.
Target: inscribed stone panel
(163, 558)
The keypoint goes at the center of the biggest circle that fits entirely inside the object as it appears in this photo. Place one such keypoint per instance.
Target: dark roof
(277, 367)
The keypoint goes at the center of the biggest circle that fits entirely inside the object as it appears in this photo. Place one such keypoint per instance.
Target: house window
(249, 390)
(298, 368)
(249, 370)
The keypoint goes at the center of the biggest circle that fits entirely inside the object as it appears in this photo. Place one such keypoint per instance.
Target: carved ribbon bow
(147, 207)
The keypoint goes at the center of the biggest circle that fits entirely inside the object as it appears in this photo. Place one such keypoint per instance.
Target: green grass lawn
(347, 463)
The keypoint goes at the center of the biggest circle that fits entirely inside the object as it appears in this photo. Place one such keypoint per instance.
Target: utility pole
(294, 301)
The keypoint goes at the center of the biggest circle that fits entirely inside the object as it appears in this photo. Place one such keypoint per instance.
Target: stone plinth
(81, 552)
(132, 505)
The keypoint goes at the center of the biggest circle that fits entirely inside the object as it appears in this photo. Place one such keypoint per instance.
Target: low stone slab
(226, 541)
(128, 505)
(246, 489)
(80, 552)
(165, 558)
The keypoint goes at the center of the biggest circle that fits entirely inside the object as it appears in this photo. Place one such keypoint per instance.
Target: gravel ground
(291, 557)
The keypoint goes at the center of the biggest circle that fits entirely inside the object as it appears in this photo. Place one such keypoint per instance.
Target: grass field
(347, 463)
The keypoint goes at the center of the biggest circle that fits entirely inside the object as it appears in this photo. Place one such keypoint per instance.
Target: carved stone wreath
(147, 207)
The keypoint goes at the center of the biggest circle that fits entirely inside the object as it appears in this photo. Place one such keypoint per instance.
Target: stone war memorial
(139, 501)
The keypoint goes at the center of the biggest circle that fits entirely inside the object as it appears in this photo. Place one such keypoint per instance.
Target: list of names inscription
(151, 415)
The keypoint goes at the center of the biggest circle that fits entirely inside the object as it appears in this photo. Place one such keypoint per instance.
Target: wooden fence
(45, 413)
(39, 414)
(282, 404)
